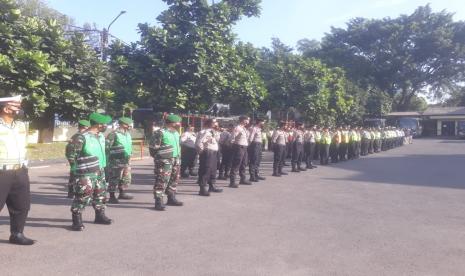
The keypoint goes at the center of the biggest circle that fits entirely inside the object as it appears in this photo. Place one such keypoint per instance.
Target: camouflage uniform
(166, 161)
(119, 150)
(90, 187)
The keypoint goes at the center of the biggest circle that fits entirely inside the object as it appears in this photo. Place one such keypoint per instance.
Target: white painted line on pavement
(39, 167)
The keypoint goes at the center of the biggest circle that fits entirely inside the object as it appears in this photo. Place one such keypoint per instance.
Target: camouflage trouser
(89, 189)
(119, 177)
(166, 176)
(72, 179)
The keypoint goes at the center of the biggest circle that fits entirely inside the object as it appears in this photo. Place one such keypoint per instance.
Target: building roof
(432, 111)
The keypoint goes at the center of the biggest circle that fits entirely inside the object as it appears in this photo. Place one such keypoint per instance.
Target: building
(437, 121)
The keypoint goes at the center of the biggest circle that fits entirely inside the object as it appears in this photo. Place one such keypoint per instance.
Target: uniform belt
(13, 167)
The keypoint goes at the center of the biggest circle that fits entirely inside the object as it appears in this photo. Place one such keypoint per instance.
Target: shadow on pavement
(443, 171)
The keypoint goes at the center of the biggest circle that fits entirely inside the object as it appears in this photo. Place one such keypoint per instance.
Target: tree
(405, 56)
(57, 76)
(191, 60)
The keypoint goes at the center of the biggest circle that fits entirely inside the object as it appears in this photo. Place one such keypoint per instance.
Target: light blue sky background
(289, 20)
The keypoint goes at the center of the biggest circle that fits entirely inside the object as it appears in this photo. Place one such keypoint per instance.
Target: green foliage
(191, 60)
(56, 75)
(404, 56)
(304, 86)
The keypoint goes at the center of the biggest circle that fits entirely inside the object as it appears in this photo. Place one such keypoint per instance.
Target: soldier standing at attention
(83, 125)
(226, 154)
(298, 148)
(165, 149)
(309, 147)
(278, 140)
(207, 146)
(89, 157)
(325, 143)
(239, 141)
(14, 177)
(255, 150)
(119, 151)
(188, 152)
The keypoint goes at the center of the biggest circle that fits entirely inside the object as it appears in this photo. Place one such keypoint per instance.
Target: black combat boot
(232, 182)
(70, 192)
(101, 218)
(18, 238)
(172, 201)
(113, 198)
(123, 195)
(159, 205)
(203, 191)
(77, 222)
(253, 178)
(276, 172)
(294, 168)
(212, 188)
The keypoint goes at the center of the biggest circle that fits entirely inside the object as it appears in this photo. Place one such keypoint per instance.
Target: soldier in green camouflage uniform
(119, 150)
(88, 155)
(83, 125)
(165, 147)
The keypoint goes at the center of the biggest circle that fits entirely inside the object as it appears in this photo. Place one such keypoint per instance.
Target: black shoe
(233, 185)
(159, 206)
(20, 239)
(77, 222)
(245, 182)
(214, 189)
(123, 195)
(101, 218)
(172, 201)
(113, 198)
(253, 179)
(203, 191)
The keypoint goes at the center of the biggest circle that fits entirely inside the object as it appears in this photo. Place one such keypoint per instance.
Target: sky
(288, 20)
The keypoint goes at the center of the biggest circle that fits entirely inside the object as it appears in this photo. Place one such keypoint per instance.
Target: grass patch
(47, 151)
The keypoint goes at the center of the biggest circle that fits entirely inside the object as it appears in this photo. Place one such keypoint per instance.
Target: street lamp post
(105, 34)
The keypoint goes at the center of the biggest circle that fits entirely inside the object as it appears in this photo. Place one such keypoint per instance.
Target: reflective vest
(345, 136)
(13, 142)
(172, 139)
(124, 139)
(317, 136)
(326, 138)
(94, 145)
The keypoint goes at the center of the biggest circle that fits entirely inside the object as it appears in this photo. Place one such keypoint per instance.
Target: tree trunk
(46, 126)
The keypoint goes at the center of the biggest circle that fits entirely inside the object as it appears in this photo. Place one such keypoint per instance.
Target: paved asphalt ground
(400, 212)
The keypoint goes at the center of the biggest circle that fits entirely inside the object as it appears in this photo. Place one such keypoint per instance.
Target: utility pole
(104, 36)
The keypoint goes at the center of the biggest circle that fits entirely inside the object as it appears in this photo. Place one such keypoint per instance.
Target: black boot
(294, 168)
(113, 198)
(77, 222)
(123, 195)
(203, 191)
(245, 181)
(253, 178)
(159, 205)
(19, 239)
(101, 218)
(70, 192)
(276, 172)
(232, 182)
(172, 201)
(212, 188)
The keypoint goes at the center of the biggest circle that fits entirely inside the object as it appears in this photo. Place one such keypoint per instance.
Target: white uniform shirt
(207, 140)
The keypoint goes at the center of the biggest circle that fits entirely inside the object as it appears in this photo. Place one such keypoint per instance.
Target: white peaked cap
(11, 99)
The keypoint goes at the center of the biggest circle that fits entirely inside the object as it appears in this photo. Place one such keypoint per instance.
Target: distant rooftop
(431, 111)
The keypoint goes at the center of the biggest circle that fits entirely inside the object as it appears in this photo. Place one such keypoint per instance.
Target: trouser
(188, 158)
(72, 179)
(89, 189)
(226, 160)
(255, 158)
(324, 154)
(317, 151)
(358, 149)
(15, 192)
(371, 146)
(334, 152)
(239, 162)
(309, 149)
(207, 167)
(166, 176)
(119, 177)
(278, 157)
(343, 151)
(288, 150)
(297, 154)
(376, 145)
(365, 144)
